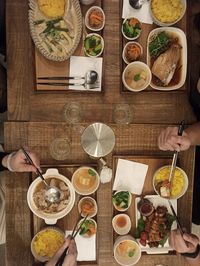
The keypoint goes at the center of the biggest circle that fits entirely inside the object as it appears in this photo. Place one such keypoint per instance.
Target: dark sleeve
(2, 155)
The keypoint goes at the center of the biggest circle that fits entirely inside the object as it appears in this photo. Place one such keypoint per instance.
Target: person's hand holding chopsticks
(70, 259)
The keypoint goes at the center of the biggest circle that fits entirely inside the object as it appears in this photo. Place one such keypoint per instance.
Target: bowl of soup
(121, 224)
(127, 251)
(136, 76)
(51, 212)
(85, 180)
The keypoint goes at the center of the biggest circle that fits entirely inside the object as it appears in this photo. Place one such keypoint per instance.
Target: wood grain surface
(24, 104)
(130, 140)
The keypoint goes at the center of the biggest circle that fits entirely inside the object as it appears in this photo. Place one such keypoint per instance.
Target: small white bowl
(185, 186)
(50, 218)
(102, 43)
(94, 203)
(87, 18)
(126, 260)
(85, 189)
(50, 228)
(124, 52)
(143, 67)
(129, 203)
(165, 24)
(95, 223)
(125, 225)
(127, 37)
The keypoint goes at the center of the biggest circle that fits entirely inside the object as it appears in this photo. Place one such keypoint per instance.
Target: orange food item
(92, 230)
(96, 18)
(133, 52)
(87, 207)
(133, 21)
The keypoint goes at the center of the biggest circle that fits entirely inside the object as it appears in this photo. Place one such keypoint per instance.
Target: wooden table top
(130, 140)
(24, 104)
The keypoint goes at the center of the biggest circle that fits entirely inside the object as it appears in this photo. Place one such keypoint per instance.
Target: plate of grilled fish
(167, 58)
(154, 221)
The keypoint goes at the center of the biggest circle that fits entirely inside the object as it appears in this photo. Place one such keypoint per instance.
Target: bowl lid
(98, 140)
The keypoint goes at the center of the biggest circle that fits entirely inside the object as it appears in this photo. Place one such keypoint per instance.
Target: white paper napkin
(86, 247)
(130, 176)
(142, 14)
(79, 65)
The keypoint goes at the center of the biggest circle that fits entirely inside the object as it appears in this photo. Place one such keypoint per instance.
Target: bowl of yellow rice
(46, 243)
(167, 12)
(178, 184)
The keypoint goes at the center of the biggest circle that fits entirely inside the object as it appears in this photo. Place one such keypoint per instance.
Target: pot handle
(50, 221)
(52, 171)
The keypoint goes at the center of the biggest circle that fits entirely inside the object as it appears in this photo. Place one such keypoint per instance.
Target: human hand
(70, 259)
(18, 163)
(169, 140)
(186, 243)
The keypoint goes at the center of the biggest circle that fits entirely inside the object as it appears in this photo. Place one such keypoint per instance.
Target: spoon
(52, 194)
(91, 77)
(137, 4)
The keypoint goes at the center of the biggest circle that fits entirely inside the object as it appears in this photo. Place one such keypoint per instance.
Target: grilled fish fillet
(165, 65)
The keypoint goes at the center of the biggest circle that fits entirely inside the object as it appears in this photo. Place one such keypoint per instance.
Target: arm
(185, 244)
(16, 162)
(70, 259)
(169, 139)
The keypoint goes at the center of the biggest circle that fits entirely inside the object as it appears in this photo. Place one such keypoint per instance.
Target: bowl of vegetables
(95, 18)
(93, 45)
(122, 200)
(88, 228)
(132, 52)
(131, 28)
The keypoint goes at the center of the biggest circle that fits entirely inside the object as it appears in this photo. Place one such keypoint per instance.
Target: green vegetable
(140, 227)
(159, 44)
(137, 77)
(131, 31)
(121, 199)
(93, 45)
(91, 172)
(85, 227)
(37, 22)
(131, 253)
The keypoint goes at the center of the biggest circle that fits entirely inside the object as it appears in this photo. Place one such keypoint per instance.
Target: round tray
(72, 14)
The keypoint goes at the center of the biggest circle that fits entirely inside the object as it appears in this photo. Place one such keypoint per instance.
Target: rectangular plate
(47, 68)
(154, 162)
(157, 201)
(67, 222)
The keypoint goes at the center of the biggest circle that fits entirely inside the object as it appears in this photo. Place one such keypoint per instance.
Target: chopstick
(60, 78)
(74, 234)
(176, 217)
(32, 163)
(59, 84)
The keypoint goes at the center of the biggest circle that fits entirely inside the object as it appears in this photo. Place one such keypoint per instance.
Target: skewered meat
(166, 64)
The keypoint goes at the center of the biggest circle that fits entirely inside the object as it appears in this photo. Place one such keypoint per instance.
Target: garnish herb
(159, 44)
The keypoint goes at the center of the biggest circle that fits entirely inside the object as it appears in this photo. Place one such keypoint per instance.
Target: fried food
(52, 8)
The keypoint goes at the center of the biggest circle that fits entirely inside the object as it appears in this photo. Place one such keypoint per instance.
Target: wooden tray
(67, 222)
(154, 163)
(142, 40)
(47, 68)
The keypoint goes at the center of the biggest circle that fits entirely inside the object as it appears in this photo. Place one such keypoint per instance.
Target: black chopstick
(59, 84)
(176, 217)
(60, 78)
(62, 257)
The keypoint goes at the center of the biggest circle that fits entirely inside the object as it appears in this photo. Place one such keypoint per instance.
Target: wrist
(7, 161)
(192, 254)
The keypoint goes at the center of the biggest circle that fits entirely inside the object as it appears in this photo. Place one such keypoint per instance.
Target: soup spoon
(52, 194)
(137, 4)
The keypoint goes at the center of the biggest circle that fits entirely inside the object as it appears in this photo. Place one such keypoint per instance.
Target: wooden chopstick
(74, 234)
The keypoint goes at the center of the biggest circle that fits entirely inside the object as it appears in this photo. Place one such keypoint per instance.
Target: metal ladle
(52, 194)
(137, 4)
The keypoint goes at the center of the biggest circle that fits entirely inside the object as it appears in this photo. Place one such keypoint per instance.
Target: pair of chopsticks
(176, 217)
(73, 235)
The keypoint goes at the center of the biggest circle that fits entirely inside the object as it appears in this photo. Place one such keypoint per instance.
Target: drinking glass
(60, 148)
(122, 114)
(73, 112)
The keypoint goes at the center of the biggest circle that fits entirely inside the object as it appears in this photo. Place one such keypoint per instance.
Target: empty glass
(122, 114)
(60, 148)
(73, 112)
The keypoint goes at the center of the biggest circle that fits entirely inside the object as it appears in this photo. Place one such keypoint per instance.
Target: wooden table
(35, 119)
(130, 140)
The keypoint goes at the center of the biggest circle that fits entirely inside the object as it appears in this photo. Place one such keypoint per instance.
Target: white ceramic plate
(182, 40)
(157, 201)
(72, 16)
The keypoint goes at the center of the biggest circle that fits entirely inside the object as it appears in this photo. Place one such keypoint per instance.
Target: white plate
(183, 43)
(157, 201)
(72, 16)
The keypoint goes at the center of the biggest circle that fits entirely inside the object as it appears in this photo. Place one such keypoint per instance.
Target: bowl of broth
(136, 76)
(121, 224)
(127, 251)
(51, 212)
(85, 180)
